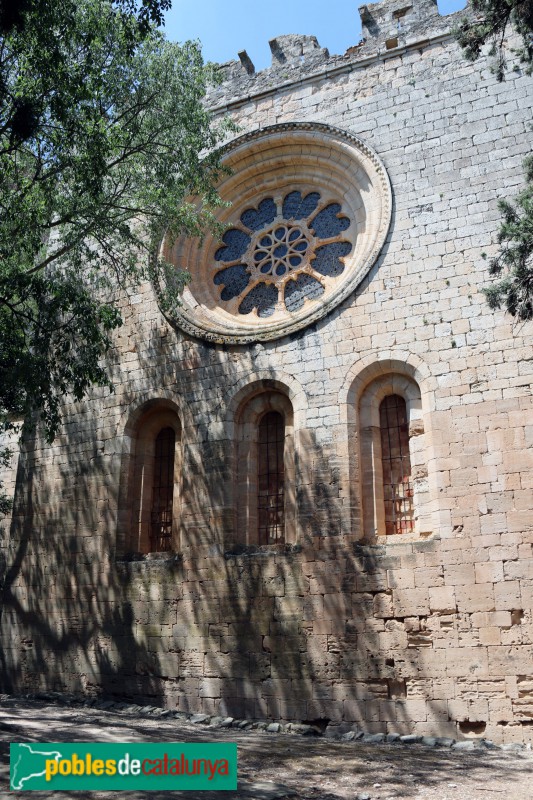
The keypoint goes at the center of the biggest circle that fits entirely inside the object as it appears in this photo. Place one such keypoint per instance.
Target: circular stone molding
(310, 211)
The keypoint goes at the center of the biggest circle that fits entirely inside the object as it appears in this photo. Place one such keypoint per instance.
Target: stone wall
(426, 632)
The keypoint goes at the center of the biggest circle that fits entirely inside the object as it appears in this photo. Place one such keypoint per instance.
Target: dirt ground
(273, 766)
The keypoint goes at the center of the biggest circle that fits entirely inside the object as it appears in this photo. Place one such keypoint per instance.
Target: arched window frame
(370, 456)
(136, 502)
(246, 488)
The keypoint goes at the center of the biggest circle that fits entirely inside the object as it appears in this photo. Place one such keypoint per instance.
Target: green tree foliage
(514, 263)
(103, 135)
(491, 22)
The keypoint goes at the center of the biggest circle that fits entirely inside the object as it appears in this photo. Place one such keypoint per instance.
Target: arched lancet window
(393, 466)
(150, 499)
(163, 491)
(271, 479)
(264, 488)
(396, 464)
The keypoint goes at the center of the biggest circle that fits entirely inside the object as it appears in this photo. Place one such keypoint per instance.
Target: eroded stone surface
(274, 765)
(428, 633)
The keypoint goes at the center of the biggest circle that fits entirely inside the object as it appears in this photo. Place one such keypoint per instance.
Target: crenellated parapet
(388, 28)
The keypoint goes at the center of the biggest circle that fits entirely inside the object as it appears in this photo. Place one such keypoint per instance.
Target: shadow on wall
(298, 633)
(65, 622)
(301, 763)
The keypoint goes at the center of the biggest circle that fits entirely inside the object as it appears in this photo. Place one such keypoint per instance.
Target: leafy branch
(104, 134)
(514, 262)
(489, 24)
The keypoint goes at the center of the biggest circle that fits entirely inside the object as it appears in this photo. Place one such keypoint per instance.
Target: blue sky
(226, 26)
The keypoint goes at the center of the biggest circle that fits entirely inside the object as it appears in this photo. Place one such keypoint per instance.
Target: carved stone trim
(272, 162)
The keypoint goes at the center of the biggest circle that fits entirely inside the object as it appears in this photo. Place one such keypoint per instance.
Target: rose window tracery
(306, 212)
(281, 256)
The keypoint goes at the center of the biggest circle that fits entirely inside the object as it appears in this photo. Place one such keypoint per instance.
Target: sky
(226, 26)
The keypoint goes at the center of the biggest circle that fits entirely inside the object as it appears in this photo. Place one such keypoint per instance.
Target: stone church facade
(310, 496)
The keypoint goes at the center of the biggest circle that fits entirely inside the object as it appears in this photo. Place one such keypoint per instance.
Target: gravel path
(273, 766)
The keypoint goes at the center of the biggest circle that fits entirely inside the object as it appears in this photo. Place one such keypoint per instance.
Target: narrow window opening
(271, 479)
(396, 462)
(163, 490)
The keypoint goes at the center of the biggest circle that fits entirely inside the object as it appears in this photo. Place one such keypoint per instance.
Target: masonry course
(428, 633)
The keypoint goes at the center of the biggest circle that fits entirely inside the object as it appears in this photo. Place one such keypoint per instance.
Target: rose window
(280, 256)
(306, 211)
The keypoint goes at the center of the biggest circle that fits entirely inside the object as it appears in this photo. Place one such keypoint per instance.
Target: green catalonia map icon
(28, 764)
(101, 766)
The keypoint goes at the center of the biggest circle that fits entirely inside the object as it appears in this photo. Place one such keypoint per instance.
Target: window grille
(396, 462)
(163, 490)
(271, 479)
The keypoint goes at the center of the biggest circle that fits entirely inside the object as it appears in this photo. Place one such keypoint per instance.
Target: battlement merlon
(287, 50)
(392, 19)
(387, 27)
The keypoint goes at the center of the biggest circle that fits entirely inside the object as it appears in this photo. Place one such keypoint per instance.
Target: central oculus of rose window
(310, 210)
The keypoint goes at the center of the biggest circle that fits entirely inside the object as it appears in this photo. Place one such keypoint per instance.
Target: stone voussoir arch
(266, 381)
(376, 365)
(140, 421)
(149, 402)
(251, 402)
(366, 384)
